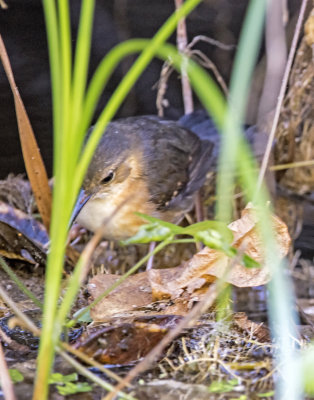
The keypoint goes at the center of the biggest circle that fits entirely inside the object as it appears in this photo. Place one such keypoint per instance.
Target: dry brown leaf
(125, 342)
(21, 236)
(132, 293)
(209, 264)
(34, 165)
(132, 298)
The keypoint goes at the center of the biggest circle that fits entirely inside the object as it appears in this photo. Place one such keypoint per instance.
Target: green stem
(234, 154)
(82, 55)
(52, 28)
(232, 137)
(178, 241)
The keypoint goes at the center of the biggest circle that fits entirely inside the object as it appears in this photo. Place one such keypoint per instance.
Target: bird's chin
(93, 214)
(99, 212)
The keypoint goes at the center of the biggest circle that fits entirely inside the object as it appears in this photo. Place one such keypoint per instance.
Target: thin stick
(182, 46)
(19, 283)
(149, 265)
(88, 360)
(89, 375)
(296, 164)
(206, 62)
(214, 42)
(187, 94)
(83, 265)
(281, 94)
(6, 382)
(6, 298)
(27, 322)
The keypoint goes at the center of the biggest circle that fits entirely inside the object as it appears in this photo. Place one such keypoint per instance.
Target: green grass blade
(235, 155)
(82, 55)
(52, 28)
(64, 192)
(244, 63)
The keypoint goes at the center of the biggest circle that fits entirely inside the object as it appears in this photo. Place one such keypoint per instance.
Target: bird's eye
(107, 179)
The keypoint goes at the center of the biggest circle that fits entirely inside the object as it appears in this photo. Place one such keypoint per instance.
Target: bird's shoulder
(171, 162)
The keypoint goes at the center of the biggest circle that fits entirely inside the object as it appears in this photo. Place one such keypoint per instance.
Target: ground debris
(212, 358)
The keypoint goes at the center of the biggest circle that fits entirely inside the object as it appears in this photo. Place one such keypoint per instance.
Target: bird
(155, 165)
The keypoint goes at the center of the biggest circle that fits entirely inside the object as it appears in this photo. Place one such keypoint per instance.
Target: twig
(6, 382)
(88, 360)
(207, 63)
(96, 238)
(165, 73)
(199, 57)
(182, 45)
(281, 94)
(83, 266)
(19, 283)
(187, 94)
(296, 164)
(217, 43)
(27, 322)
(31, 326)
(85, 372)
(149, 265)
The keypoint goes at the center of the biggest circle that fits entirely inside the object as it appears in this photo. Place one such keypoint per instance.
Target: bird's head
(112, 177)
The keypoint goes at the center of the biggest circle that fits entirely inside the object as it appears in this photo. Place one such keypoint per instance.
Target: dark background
(23, 30)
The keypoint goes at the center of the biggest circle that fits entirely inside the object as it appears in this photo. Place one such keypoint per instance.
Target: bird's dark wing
(203, 126)
(176, 163)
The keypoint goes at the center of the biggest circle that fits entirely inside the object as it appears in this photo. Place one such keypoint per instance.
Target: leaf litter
(187, 283)
(139, 313)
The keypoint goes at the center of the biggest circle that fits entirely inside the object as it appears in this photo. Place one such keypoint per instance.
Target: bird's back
(175, 160)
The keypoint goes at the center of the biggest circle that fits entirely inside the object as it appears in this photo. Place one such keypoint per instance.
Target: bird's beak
(83, 197)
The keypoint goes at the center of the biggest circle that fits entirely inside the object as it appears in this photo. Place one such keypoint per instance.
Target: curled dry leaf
(34, 165)
(209, 264)
(132, 298)
(21, 236)
(125, 342)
